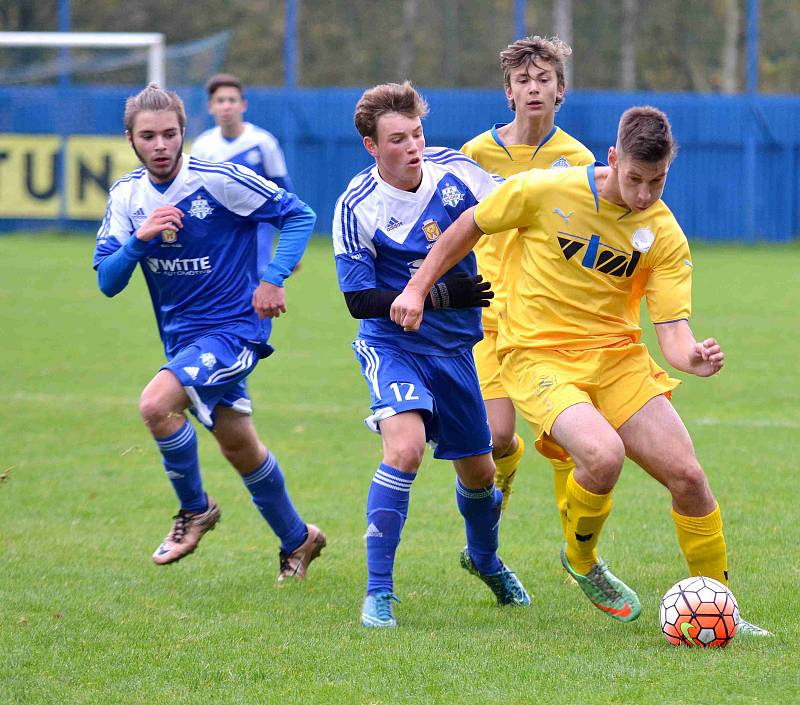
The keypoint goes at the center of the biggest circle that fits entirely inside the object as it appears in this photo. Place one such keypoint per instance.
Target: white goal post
(152, 41)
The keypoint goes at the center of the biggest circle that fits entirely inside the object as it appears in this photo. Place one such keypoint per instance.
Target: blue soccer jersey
(202, 276)
(382, 234)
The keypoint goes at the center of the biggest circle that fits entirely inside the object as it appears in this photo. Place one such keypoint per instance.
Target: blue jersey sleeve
(356, 271)
(295, 229)
(353, 248)
(114, 270)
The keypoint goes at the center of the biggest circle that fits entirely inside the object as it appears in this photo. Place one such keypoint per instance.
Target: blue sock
(268, 488)
(481, 512)
(387, 509)
(179, 452)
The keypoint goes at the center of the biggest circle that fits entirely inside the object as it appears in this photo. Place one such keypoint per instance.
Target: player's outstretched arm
(684, 353)
(459, 290)
(451, 247)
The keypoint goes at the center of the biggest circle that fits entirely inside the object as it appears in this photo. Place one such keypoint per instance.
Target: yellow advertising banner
(31, 174)
(93, 165)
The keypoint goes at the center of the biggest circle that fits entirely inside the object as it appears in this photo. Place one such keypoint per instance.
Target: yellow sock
(703, 544)
(506, 470)
(561, 471)
(586, 513)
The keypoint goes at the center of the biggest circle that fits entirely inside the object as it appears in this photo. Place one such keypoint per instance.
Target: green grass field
(85, 617)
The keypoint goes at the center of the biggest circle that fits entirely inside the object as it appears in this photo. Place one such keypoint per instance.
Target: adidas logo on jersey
(374, 532)
(560, 163)
(597, 256)
(192, 371)
(138, 216)
(392, 224)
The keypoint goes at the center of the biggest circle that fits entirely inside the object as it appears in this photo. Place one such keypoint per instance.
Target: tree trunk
(630, 11)
(563, 21)
(405, 65)
(730, 47)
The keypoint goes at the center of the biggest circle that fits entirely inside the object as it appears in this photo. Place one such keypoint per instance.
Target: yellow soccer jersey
(585, 263)
(557, 150)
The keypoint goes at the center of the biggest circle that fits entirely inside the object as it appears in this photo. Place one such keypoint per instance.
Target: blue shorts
(213, 371)
(444, 389)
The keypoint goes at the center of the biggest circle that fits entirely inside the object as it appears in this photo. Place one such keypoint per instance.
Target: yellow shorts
(485, 352)
(616, 381)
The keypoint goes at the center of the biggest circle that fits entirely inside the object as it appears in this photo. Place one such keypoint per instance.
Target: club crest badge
(643, 239)
(209, 360)
(169, 236)
(431, 229)
(200, 208)
(451, 196)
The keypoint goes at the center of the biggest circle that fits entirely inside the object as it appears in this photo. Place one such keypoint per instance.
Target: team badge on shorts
(200, 208)
(431, 229)
(169, 236)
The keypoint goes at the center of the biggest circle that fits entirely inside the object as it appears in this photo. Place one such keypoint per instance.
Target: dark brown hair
(527, 51)
(645, 134)
(155, 99)
(221, 80)
(387, 98)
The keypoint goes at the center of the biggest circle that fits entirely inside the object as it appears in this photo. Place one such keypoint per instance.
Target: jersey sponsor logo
(393, 223)
(431, 229)
(200, 208)
(253, 157)
(597, 255)
(643, 239)
(192, 371)
(169, 236)
(414, 266)
(451, 196)
(209, 360)
(561, 163)
(565, 216)
(189, 266)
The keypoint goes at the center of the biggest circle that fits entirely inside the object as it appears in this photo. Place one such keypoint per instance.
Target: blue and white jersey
(382, 234)
(255, 148)
(202, 277)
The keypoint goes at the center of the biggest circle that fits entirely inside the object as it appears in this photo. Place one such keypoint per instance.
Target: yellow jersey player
(594, 242)
(534, 84)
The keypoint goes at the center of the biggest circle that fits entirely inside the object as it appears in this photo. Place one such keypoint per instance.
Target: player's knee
(153, 409)
(688, 481)
(503, 442)
(604, 459)
(406, 456)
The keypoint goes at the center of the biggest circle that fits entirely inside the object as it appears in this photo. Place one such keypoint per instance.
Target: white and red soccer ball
(699, 611)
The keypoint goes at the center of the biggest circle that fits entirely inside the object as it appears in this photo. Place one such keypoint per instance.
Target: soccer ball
(699, 611)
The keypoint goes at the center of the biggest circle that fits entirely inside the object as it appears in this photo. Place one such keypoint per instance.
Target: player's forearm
(677, 344)
(114, 272)
(295, 232)
(452, 247)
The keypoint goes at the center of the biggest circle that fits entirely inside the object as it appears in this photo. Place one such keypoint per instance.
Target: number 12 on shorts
(409, 391)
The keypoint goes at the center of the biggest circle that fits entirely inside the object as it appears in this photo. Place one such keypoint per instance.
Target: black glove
(461, 291)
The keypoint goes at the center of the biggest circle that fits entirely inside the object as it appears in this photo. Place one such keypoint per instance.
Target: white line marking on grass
(745, 423)
(69, 399)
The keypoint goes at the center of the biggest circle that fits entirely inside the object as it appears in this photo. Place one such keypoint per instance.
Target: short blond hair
(153, 98)
(525, 52)
(387, 98)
